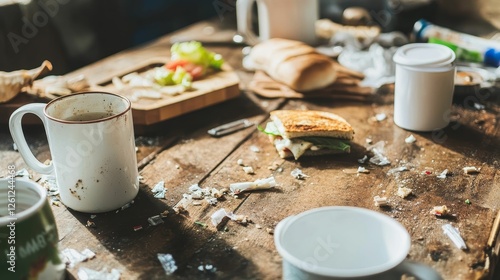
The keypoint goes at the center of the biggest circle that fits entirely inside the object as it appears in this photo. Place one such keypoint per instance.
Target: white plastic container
(424, 86)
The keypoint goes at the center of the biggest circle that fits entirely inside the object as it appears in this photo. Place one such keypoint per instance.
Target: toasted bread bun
(301, 123)
(294, 64)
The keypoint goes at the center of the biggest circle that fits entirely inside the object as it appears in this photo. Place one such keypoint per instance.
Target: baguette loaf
(294, 64)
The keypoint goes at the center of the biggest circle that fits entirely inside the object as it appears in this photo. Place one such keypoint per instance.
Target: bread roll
(294, 64)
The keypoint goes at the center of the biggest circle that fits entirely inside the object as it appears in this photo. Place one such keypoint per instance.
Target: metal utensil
(230, 127)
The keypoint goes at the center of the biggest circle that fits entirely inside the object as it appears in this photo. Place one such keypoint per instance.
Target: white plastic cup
(340, 242)
(424, 86)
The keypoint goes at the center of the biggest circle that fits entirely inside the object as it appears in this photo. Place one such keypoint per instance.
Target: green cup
(28, 232)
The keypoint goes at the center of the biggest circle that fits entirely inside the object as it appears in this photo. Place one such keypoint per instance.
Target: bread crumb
(380, 201)
(440, 210)
(470, 170)
(403, 192)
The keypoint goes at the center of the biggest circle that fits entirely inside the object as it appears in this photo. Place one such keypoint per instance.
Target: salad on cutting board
(191, 78)
(189, 62)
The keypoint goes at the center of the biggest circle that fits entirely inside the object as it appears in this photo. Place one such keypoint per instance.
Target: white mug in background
(341, 242)
(91, 141)
(423, 90)
(287, 19)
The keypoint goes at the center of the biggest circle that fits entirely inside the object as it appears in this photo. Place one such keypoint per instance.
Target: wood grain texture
(181, 153)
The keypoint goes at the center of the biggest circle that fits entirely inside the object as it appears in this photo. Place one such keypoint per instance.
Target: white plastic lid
(424, 54)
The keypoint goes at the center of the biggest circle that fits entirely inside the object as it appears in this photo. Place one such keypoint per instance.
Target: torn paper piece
(380, 117)
(403, 192)
(410, 139)
(211, 200)
(218, 216)
(443, 174)
(217, 193)
(159, 190)
(363, 160)
(380, 201)
(90, 274)
(240, 219)
(127, 205)
(194, 188)
(379, 157)
(361, 169)
(454, 235)
(470, 170)
(155, 220)
(298, 174)
(89, 254)
(440, 210)
(72, 257)
(168, 263)
(259, 184)
(397, 169)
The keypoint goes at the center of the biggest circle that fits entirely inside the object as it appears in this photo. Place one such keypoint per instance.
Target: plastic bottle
(466, 47)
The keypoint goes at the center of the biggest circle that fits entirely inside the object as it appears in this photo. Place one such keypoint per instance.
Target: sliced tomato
(197, 72)
(172, 65)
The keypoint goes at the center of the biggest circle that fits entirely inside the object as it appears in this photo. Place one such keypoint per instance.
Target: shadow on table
(135, 243)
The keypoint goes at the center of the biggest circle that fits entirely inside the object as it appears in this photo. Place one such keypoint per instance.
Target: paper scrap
(443, 174)
(379, 157)
(159, 190)
(168, 263)
(90, 274)
(380, 201)
(403, 192)
(471, 170)
(298, 174)
(155, 220)
(410, 139)
(259, 184)
(454, 235)
(72, 257)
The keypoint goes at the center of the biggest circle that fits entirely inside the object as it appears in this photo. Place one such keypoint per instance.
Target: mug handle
(244, 21)
(16, 130)
(419, 270)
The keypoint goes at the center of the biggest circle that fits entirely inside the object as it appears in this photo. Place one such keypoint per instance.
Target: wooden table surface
(181, 153)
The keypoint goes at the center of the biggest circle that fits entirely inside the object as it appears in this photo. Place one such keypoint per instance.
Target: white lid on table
(424, 55)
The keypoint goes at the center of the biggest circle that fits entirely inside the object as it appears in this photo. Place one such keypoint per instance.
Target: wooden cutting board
(215, 88)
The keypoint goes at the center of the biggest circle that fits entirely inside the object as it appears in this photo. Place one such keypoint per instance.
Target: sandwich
(296, 133)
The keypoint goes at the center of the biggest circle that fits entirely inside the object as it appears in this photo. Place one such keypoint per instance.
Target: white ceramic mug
(91, 140)
(288, 19)
(423, 90)
(340, 242)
